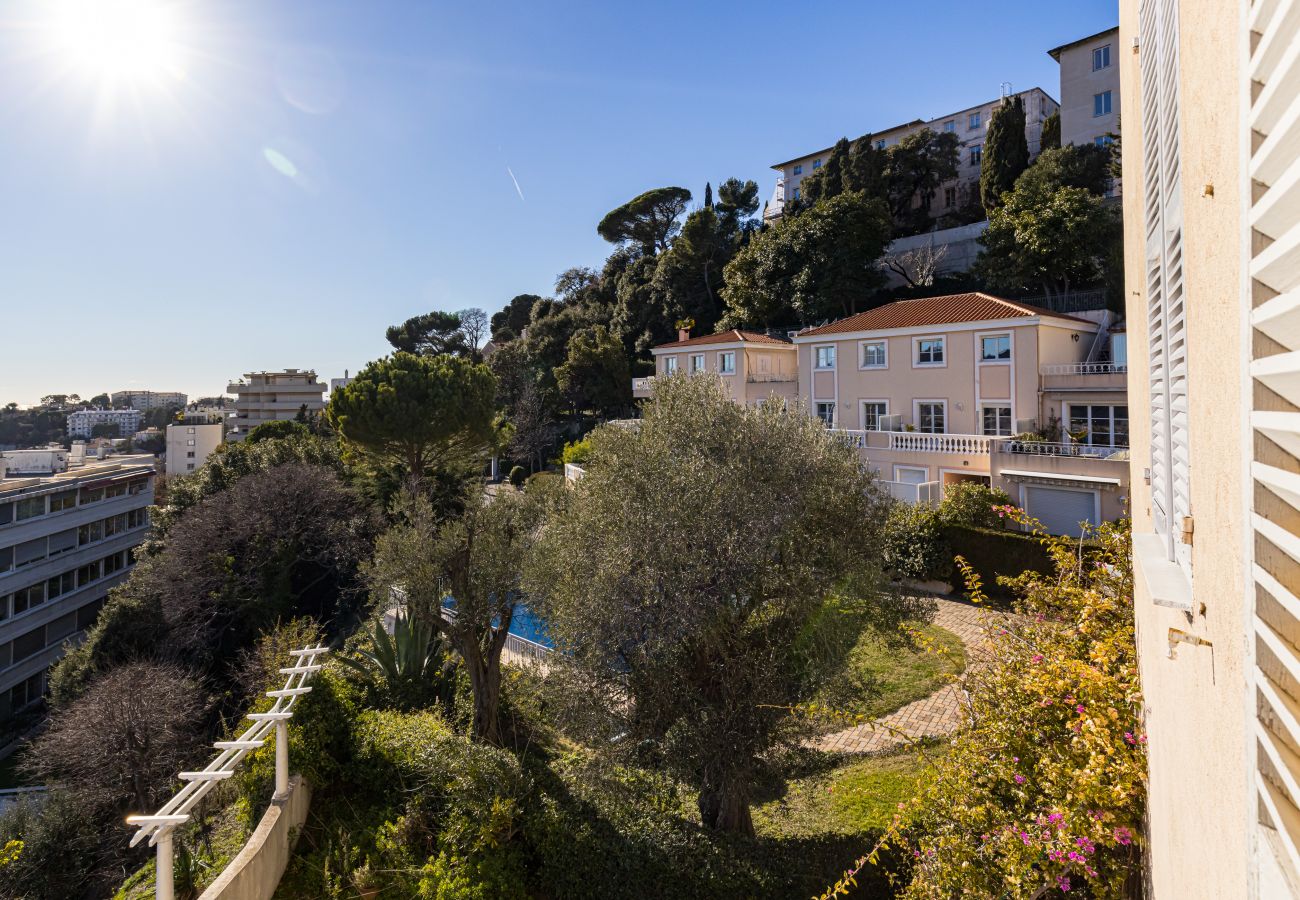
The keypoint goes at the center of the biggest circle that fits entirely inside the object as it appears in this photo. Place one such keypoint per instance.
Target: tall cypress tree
(708, 195)
(1051, 132)
(1006, 153)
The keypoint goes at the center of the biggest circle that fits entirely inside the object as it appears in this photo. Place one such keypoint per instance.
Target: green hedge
(991, 553)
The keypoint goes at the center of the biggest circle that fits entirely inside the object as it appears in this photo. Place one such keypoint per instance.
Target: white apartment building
(969, 124)
(65, 541)
(1089, 88)
(273, 396)
(205, 414)
(81, 424)
(143, 400)
(189, 445)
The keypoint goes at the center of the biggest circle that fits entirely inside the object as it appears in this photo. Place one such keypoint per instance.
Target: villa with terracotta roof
(945, 389)
(751, 365)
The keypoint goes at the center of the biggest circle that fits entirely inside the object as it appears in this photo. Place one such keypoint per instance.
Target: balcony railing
(915, 441)
(1087, 368)
(643, 385)
(770, 377)
(1047, 448)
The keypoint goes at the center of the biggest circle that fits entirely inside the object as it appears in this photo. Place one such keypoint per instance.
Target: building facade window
(63, 500)
(950, 126)
(929, 351)
(995, 420)
(995, 348)
(826, 357)
(950, 196)
(931, 416)
(880, 144)
(1101, 104)
(1101, 58)
(670, 365)
(697, 363)
(727, 362)
(1099, 426)
(975, 119)
(798, 170)
(817, 163)
(976, 155)
(30, 508)
(826, 412)
(872, 412)
(875, 355)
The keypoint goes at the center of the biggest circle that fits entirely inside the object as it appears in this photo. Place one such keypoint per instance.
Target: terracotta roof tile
(726, 337)
(947, 310)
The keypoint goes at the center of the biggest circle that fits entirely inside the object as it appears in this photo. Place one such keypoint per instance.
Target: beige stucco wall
(255, 872)
(762, 371)
(1196, 704)
(1079, 84)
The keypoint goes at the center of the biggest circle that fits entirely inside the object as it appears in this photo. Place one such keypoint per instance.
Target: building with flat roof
(188, 445)
(82, 423)
(65, 541)
(273, 396)
(969, 124)
(1089, 88)
(752, 366)
(145, 400)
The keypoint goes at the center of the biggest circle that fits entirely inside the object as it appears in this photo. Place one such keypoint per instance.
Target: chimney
(683, 334)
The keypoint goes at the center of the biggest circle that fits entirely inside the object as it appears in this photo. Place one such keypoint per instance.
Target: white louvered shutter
(1166, 312)
(1274, 271)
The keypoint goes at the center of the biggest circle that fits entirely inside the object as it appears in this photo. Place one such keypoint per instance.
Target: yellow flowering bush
(1044, 793)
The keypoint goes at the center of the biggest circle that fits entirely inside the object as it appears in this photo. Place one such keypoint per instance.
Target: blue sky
(298, 174)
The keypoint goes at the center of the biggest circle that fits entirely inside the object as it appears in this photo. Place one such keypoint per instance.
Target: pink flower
(1063, 882)
(1079, 708)
(1020, 779)
(1128, 736)
(1123, 835)
(1037, 657)
(1055, 818)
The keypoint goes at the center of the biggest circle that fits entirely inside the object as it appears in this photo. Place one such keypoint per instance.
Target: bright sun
(119, 41)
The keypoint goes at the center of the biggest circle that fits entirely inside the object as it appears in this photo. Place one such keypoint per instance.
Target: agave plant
(410, 668)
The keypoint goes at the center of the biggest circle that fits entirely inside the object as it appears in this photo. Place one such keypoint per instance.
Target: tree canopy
(648, 220)
(1005, 152)
(417, 411)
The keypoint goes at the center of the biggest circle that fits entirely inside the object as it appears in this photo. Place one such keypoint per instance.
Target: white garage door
(1060, 509)
(909, 475)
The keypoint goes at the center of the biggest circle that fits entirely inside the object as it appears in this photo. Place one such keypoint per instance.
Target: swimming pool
(525, 624)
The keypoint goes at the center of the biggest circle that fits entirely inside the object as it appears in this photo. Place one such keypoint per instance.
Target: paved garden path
(943, 712)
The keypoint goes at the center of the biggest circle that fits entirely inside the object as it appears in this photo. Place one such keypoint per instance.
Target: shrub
(1045, 792)
(972, 503)
(993, 554)
(914, 545)
(577, 452)
(517, 476)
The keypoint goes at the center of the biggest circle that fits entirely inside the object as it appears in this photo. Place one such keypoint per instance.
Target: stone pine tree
(1006, 153)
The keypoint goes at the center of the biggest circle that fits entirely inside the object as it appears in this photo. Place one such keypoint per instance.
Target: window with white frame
(872, 412)
(875, 355)
(670, 365)
(929, 351)
(727, 362)
(976, 154)
(697, 362)
(950, 126)
(798, 170)
(826, 412)
(817, 163)
(1101, 58)
(1101, 104)
(974, 120)
(995, 420)
(826, 357)
(995, 348)
(1099, 425)
(931, 416)
(880, 144)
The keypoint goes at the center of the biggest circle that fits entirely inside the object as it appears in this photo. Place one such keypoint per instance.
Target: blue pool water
(525, 624)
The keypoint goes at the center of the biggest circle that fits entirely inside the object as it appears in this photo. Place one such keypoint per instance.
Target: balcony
(916, 441)
(1088, 376)
(642, 388)
(1046, 448)
(771, 378)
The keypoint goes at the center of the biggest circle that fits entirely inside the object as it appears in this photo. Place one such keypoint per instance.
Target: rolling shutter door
(1274, 271)
(1061, 509)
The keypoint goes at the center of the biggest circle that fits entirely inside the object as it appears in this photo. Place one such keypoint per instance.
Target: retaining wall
(255, 872)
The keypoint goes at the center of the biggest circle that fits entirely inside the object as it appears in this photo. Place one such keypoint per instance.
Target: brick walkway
(938, 714)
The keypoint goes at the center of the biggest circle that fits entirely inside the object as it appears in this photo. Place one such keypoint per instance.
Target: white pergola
(158, 827)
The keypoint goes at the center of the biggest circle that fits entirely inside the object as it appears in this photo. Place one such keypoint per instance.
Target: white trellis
(158, 827)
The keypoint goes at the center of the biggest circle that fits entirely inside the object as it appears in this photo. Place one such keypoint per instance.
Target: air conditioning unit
(891, 423)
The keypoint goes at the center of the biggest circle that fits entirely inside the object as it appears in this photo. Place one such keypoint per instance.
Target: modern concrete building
(65, 541)
(1089, 88)
(1211, 167)
(42, 461)
(970, 125)
(81, 424)
(272, 396)
(189, 445)
(144, 400)
(751, 365)
(205, 414)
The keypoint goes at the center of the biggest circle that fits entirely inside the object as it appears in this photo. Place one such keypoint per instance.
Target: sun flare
(134, 42)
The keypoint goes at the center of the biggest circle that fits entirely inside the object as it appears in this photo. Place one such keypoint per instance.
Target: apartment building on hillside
(189, 445)
(65, 541)
(752, 366)
(969, 124)
(1212, 264)
(272, 396)
(82, 423)
(146, 400)
(1089, 88)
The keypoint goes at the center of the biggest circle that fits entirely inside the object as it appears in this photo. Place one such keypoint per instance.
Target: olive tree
(678, 576)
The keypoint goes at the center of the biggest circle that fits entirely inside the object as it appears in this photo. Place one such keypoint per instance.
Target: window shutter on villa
(1274, 272)
(1170, 461)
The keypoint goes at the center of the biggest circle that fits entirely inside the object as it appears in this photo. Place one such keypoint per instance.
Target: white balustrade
(1086, 368)
(919, 442)
(158, 827)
